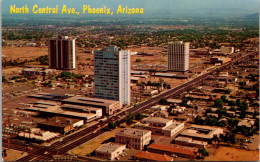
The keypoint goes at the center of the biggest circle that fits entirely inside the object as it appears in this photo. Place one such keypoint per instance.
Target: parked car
(174, 156)
(131, 158)
(29, 148)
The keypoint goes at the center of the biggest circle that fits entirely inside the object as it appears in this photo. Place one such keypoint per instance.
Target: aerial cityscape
(163, 85)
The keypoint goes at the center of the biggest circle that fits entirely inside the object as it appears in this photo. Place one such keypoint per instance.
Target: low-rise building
(160, 107)
(179, 109)
(136, 80)
(108, 107)
(60, 125)
(171, 150)
(32, 71)
(39, 135)
(174, 101)
(201, 132)
(49, 110)
(84, 109)
(133, 138)
(227, 50)
(160, 126)
(150, 92)
(231, 113)
(246, 123)
(221, 60)
(149, 156)
(190, 142)
(110, 150)
(160, 113)
(212, 115)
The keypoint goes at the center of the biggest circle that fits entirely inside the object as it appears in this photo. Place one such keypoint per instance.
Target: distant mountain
(204, 13)
(253, 16)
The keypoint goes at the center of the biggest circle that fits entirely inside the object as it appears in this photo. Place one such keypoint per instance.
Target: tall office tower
(112, 74)
(62, 53)
(178, 56)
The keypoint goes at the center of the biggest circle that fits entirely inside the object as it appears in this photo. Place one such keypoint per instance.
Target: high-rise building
(178, 56)
(112, 74)
(62, 53)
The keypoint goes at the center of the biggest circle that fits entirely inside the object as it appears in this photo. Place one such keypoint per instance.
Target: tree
(211, 121)
(163, 101)
(139, 116)
(198, 120)
(203, 152)
(29, 131)
(138, 60)
(129, 118)
(209, 110)
(231, 121)
(231, 103)
(4, 79)
(221, 111)
(118, 123)
(4, 153)
(129, 121)
(184, 101)
(228, 91)
(242, 84)
(238, 103)
(50, 85)
(232, 108)
(224, 98)
(218, 103)
(77, 75)
(170, 110)
(244, 106)
(215, 139)
(44, 60)
(111, 125)
(232, 138)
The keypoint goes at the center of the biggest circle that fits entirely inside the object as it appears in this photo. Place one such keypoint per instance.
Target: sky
(148, 5)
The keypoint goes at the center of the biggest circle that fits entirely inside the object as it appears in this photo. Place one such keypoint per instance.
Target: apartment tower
(112, 74)
(62, 53)
(178, 56)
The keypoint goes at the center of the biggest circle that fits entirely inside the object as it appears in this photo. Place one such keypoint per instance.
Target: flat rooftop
(46, 103)
(132, 132)
(184, 139)
(152, 156)
(60, 121)
(109, 147)
(90, 101)
(206, 132)
(174, 100)
(83, 108)
(47, 96)
(173, 125)
(171, 149)
(190, 140)
(59, 111)
(156, 120)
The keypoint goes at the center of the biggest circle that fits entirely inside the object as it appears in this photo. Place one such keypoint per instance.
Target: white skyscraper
(178, 56)
(112, 74)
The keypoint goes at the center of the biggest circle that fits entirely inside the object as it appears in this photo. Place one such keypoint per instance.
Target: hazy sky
(149, 4)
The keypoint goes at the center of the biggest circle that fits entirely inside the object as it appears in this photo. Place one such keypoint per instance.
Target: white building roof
(109, 147)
